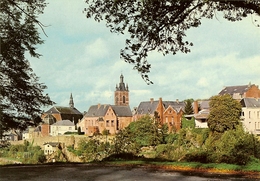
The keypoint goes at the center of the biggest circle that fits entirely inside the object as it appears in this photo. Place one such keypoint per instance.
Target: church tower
(122, 93)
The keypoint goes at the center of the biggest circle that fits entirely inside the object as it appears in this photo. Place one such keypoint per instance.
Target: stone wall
(39, 141)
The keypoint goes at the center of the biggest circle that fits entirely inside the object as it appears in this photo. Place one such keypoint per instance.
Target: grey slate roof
(100, 110)
(97, 110)
(241, 89)
(63, 110)
(148, 107)
(53, 144)
(250, 102)
(204, 104)
(122, 111)
(64, 123)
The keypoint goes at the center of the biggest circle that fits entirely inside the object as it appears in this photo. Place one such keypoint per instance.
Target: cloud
(82, 56)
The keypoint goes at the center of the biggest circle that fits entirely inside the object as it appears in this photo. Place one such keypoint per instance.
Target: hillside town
(59, 120)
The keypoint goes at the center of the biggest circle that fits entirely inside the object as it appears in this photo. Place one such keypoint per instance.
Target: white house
(250, 115)
(201, 113)
(201, 119)
(50, 147)
(61, 127)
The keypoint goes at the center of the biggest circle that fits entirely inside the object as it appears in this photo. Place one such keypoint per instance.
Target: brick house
(241, 91)
(105, 117)
(169, 112)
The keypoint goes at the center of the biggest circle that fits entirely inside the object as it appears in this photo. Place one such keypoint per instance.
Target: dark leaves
(21, 95)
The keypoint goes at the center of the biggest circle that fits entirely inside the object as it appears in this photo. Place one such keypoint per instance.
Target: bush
(198, 156)
(166, 152)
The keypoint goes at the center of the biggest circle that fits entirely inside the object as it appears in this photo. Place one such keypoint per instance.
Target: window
(166, 119)
(107, 123)
(249, 114)
(112, 123)
(70, 128)
(257, 114)
(123, 99)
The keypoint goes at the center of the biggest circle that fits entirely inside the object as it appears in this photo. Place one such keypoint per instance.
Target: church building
(59, 113)
(106, 117)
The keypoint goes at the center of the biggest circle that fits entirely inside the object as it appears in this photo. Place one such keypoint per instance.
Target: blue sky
(81, 56)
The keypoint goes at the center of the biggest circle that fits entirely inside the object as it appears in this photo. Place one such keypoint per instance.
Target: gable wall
(253, 92)
(110, 121)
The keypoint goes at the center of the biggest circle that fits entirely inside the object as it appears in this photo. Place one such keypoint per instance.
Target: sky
(81, 56)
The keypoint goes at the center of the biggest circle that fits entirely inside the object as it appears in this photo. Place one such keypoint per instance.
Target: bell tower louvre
(122, 93)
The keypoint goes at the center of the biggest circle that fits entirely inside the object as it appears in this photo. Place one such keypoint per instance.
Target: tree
(224, 113)
(144, 132)
(188, 107)
(21, 94)
(161, 24)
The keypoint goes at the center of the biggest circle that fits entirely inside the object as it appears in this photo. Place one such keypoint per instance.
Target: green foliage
(185, 123)
(21, 94)
(105, 132)
(237, 146)
(165, 152)
(160, 25)
(70, 133)
(224, 113)
(91, 150)
(144, 132)
(26, 153)
(171, 138)
(188, 107)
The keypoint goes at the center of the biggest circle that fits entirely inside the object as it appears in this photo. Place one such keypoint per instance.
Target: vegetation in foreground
(225, 146)
(25, 153)
(224, 143)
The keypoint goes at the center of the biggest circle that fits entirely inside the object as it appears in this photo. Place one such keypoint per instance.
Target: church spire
(121, 78)
(71, 104)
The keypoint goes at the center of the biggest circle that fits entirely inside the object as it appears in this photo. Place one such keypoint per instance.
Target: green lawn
(251, 167)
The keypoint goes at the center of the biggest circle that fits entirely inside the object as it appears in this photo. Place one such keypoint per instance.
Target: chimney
(98, 105)
(177, 100)
(160, 109)
(151, 100)
(195, 107)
